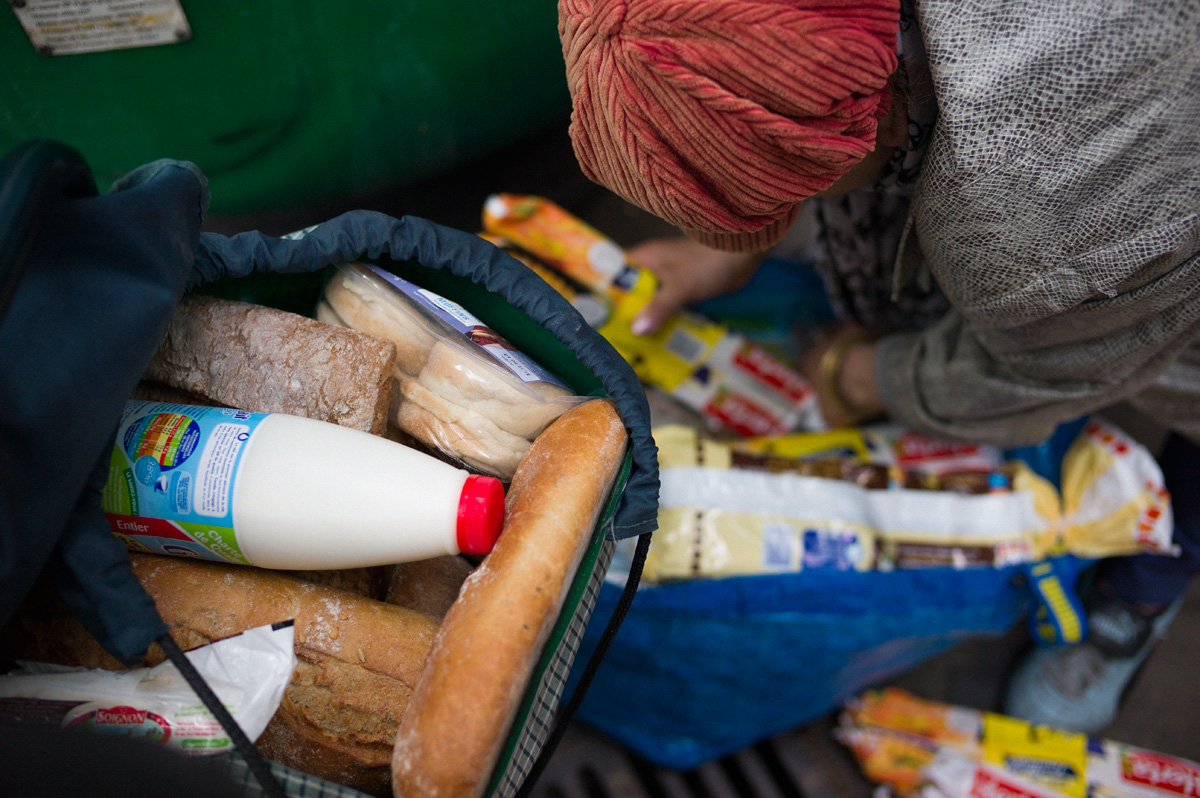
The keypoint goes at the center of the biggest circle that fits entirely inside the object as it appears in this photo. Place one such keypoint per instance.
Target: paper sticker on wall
(65, 27)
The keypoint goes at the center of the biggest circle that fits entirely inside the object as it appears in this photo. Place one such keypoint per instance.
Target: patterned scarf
(857, 234)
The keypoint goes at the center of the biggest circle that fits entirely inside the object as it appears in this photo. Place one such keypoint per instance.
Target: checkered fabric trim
(294, 783)
(549, 691)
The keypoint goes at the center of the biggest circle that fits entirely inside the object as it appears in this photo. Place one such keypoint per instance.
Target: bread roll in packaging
(462, 389)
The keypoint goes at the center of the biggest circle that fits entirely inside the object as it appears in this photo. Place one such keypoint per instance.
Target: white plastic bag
(248, 673)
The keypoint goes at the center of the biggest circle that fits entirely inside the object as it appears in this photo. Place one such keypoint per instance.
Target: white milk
(280, 491)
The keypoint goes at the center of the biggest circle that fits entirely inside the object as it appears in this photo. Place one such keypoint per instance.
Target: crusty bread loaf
(257, 358)
(369, 582)
(486, 649)
(358, 659)
(428, 586)
(157, 392)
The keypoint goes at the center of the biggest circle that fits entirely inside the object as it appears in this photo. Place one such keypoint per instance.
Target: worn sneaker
(1079, 687)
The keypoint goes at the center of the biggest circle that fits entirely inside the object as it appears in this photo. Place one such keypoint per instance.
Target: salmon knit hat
(722, 116)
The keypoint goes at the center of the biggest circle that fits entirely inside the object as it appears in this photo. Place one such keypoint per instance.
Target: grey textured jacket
(1058, 208)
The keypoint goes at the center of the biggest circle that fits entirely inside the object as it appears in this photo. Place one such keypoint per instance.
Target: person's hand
(841, 369)
(688, 272)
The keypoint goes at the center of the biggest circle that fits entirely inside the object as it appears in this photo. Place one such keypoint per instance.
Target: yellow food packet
(1114, 499)
(1052, 757)
(732, 382)
(891, 708)
(844, 442)
(563, 242)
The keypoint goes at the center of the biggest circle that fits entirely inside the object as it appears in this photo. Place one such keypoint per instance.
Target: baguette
(489, 642)
(269, 361)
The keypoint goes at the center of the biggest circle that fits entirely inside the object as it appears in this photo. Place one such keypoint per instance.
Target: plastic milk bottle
(280, 491)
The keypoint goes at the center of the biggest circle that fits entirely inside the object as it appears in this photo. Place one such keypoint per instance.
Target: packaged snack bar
(897, 710)
(563, 242)
(1050, 757)
(736, 385)
(901, 740)
(843, 442)
(461, 388)
(952, 775)
(915, 451)
(886, 757)
(1116, 770)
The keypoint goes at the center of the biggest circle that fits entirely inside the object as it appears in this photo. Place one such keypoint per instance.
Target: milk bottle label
(171, 477)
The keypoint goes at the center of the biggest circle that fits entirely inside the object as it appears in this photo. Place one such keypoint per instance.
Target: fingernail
(640, 326)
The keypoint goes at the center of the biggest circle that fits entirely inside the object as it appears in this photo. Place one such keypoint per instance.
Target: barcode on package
(518, 364)
(686, 346)
(778, 546)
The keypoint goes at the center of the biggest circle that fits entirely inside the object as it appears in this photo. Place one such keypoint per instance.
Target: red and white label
(120, 716)
(768, 370)
(136, 526)
(912, 447)
(742, 415)
(990, 784)
(1161, 772)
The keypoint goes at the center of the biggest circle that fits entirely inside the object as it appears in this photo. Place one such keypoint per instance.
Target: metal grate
(805, 763)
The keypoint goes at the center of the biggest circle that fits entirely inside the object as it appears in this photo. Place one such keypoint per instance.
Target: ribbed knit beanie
(722, 116)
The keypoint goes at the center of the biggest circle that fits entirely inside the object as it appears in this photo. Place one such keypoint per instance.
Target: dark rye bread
(265, 360)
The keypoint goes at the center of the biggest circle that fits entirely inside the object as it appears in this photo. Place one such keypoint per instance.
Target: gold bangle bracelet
(829, 368)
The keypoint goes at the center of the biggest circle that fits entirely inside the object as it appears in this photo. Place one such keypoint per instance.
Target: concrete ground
(1161, 711)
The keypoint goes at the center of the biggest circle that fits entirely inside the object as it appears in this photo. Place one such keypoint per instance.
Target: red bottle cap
(480, 514)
